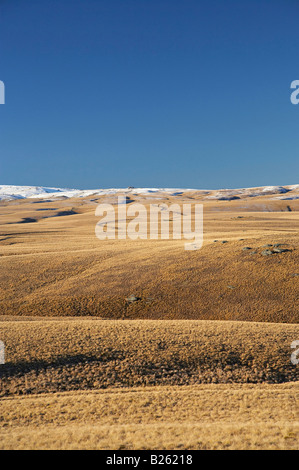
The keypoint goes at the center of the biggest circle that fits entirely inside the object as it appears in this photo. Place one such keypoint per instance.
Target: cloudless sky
(149, 93)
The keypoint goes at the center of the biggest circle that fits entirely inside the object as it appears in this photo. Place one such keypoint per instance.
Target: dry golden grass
(57, 267)
(51, 356)
(194, 417)
(118, 377)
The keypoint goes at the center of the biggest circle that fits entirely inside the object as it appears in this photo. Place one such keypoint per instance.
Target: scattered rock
(246, 248)
(267, 252)
(280, 250)
(132, 298)
(224, 241)
(231, 287)
(266, 246)
(253, 252)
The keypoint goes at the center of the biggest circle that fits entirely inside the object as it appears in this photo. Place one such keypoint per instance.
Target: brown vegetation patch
(43, 357)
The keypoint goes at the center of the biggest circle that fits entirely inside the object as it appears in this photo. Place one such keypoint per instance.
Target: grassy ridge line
(43, 357)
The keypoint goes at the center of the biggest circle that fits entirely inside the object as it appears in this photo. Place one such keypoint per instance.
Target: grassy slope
(106, 384)
(57, 267)
(194, 417)
(92, 370)
(66, 355)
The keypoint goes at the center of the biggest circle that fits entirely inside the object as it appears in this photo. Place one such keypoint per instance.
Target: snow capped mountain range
(41, 192)
(8, 192)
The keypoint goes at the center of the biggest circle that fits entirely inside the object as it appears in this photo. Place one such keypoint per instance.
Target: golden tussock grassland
(170, 417)
(201, 360)
(45, 356)
(57, 267)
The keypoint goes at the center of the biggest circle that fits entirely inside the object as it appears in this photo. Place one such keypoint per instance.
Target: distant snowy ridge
(10, 192)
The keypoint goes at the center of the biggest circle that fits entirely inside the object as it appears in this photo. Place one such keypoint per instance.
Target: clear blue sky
(165, 93)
